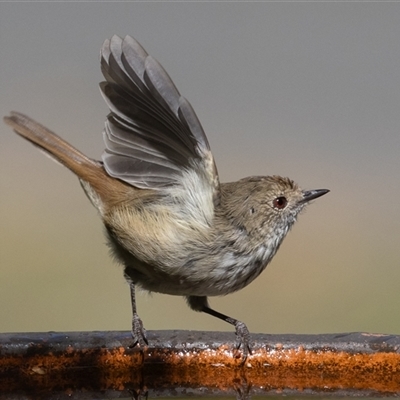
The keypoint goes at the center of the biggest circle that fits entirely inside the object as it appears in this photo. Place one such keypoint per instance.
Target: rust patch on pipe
(103, 361)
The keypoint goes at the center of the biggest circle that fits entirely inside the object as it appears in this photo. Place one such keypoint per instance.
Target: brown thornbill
(169, 221)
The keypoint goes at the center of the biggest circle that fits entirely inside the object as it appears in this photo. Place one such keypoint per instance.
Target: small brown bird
(169, 221)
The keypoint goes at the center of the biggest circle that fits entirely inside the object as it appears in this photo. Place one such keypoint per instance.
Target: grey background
(306, 90)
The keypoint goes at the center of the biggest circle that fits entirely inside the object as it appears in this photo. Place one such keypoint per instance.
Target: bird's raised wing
(153, 137)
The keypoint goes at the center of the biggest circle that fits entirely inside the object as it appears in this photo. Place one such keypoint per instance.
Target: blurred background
(305, 90)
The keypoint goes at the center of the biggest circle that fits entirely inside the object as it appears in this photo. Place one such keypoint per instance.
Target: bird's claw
(138, 332)
(243, 340)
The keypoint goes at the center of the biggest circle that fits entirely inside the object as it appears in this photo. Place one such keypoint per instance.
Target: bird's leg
(198, 303)
(242, 333)
(138, 332)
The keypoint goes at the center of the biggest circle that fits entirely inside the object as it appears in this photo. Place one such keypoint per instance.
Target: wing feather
(152, 135)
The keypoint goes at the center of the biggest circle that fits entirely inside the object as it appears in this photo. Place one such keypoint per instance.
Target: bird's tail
(88, 170)
(51, 144)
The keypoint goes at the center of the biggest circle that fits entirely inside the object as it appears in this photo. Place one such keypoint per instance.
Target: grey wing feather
(152, 134)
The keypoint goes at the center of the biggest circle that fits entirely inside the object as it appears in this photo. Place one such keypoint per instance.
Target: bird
(169, 221)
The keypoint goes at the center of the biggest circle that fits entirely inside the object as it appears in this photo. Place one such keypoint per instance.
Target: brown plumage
(170, 222)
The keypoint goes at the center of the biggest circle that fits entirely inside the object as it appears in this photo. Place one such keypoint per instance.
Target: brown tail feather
(51, 143)
(85, 168)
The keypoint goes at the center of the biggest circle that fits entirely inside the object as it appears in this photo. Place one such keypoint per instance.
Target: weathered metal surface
(198, 363)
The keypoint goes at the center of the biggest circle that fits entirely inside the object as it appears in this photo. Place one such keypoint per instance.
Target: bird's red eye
(279, 202)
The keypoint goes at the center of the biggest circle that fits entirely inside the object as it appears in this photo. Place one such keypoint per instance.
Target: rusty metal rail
(200, 363)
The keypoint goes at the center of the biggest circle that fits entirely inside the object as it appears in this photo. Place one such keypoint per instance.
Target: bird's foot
(138, 332)
(243, 339)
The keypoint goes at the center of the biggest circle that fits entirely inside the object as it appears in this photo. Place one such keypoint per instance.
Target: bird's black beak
(309, 195)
